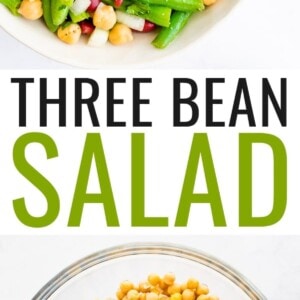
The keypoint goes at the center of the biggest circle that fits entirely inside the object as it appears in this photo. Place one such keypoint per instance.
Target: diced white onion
(80, 6)
(98, 38)
(134, 22)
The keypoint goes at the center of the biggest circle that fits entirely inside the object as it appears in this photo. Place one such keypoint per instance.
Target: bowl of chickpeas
(149, 271)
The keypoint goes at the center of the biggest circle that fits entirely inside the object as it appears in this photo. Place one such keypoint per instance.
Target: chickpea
(104, 17)
(142, 296)
(126, 286)
(151, 296)
(154, 279)
(176, 296)
(209, 2)
(69, 34)
(202, 289)
(203, 297)
(156, 289)
(169, 278)
(192, 283)
(163, 285)
(183, 286)
(144, 287)
(213, 297)
(133, 295)
(174, 288)
(31, 9)
(188, 295)
(120, 34)
(120, 294)
(163, 297)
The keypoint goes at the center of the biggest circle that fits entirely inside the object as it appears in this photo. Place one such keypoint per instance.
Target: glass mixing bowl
(97, 277)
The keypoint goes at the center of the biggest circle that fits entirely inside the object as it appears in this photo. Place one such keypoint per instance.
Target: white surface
(260, 34)
(271, 263)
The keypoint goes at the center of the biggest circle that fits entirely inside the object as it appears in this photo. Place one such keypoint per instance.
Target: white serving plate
(35, 35)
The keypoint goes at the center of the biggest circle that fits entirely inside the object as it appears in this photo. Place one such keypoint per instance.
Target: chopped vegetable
(209, 2)
(60, 10)
(110, 20)
(98, 38)
(87, 27)
(168, 34)
(12, 5)
(104, 17)
(80, 6)
(159, 15)
(118, 3)
(148, 26)
(69, 33)
(79, 17)
(179, 5)
(134, 22)
(93, 6)
(120, 34)
(31, 9)
(48, 16)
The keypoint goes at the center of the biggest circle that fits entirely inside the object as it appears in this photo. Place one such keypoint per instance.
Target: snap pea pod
(12, 5)
(159, 15)
(180, 5)
(60, 10)
(48, 16)
(78, 18)
(168, 34)
(123, 6)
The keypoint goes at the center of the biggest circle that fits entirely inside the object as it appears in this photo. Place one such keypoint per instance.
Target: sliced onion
(80, 6)
(98, 38)
(134, 22)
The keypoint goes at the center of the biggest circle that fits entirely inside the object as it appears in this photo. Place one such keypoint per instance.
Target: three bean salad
(114, 21)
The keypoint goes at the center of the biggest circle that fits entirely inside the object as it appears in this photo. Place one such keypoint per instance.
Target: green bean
(180, 5)
(48, 16)
(60, 10)
(159, 15)
(168, 34)
(12, 5)
(123, 6)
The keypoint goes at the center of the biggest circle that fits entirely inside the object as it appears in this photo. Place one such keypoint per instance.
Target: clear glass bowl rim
(130, 249)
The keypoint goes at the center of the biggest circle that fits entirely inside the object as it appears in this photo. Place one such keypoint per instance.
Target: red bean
(149, 26)
(94, 4)
(86, 27)
(118, 3)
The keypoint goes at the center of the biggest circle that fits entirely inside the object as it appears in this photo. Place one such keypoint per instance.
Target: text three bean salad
(113, 21)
